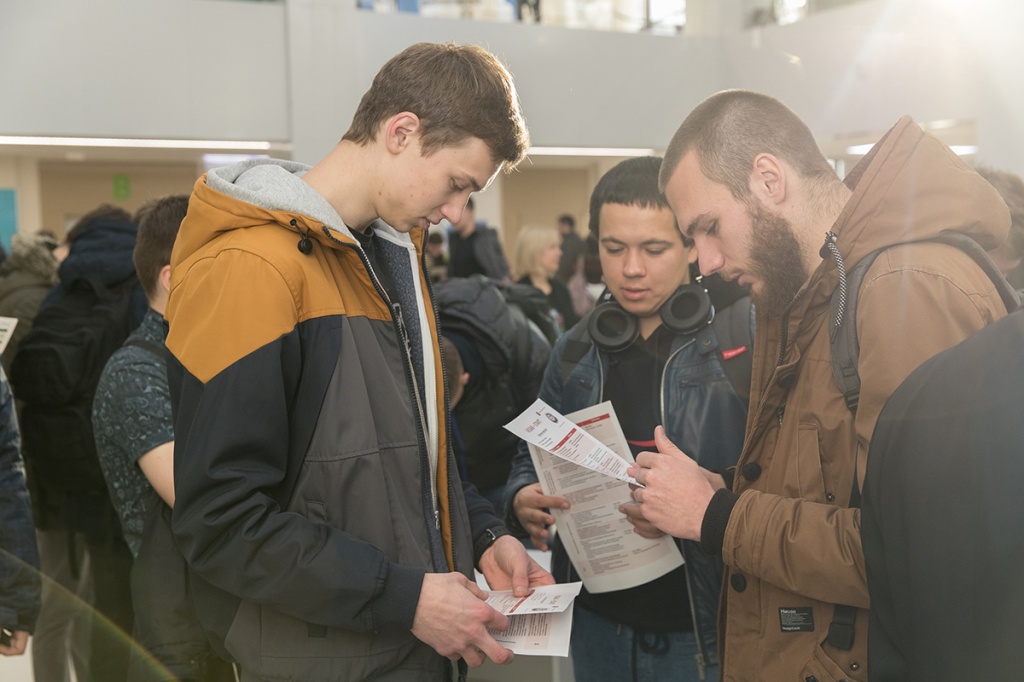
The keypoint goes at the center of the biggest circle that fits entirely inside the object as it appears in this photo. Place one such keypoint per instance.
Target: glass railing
(660, 17)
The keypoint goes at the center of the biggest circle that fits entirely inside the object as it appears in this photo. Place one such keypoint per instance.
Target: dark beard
(775, 257)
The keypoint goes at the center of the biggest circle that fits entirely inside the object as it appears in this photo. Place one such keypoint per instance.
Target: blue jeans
(604, 650)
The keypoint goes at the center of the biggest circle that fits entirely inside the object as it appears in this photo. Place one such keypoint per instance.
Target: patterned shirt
(131, 415)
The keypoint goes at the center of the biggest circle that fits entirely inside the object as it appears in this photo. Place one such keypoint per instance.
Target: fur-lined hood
(31, 254)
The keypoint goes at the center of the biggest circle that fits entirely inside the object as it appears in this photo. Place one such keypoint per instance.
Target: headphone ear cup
(611, 328)
(688, 309)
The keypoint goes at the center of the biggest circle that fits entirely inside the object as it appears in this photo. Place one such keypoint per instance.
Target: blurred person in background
(537, 255)
(1008, 255)
(503, 357)
(437, 261)
(25, 278)
(474, 248)
(572, 248)
(81, 321)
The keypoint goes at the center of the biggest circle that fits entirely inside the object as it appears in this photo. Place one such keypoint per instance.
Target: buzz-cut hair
(728, 130)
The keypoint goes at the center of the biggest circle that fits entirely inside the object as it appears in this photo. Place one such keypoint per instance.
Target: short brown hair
(1011, 189)
(158, 221)
(458, 91)
(729, 129)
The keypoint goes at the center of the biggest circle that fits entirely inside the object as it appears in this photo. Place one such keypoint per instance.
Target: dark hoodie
(103, 252)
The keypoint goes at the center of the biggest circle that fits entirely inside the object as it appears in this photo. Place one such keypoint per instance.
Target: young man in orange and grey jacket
(317, 502)
(748, 183)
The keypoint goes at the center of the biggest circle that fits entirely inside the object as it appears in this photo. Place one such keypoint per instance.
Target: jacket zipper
(699, 656)
(410, 376)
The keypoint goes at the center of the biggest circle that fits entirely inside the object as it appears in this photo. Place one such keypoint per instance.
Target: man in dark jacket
(667, 375)
(475, 249)
(316, 497)
(941, 519)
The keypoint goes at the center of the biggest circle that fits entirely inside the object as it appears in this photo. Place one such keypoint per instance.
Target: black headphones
(613, 329)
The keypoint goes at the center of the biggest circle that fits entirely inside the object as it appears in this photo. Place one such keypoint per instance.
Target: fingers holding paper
(531, 507)
(675, 491)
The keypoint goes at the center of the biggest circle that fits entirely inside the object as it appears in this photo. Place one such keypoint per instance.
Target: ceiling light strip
(958, 149)
(589, 151)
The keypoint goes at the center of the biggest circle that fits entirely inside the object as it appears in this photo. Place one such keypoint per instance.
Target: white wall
(143, 68)
(295, 71)
(859, 68)
(578, 87)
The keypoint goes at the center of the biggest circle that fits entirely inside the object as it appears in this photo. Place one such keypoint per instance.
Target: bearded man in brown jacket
(747, 182)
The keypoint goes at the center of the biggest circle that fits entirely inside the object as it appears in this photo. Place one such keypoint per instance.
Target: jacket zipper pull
(396, 311)
(437, 519)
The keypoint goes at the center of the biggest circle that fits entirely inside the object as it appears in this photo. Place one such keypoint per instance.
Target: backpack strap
(842, 331)
(145, 344)
(576, 346)
(843, 309)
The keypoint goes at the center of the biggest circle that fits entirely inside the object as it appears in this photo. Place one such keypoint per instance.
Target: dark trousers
(110, 562)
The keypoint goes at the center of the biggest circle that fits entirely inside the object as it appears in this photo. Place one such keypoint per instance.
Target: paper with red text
(540, 623)
(600, 541)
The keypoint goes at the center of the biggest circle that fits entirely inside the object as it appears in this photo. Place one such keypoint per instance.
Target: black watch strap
(486, 539)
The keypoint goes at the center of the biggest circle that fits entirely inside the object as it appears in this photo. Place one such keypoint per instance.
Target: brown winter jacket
(792, 546)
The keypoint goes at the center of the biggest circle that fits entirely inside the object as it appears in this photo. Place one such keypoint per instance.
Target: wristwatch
(486, 539)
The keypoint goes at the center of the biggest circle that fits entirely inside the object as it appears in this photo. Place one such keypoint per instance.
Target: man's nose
(634, 265)
(452, 211)
(709, 258)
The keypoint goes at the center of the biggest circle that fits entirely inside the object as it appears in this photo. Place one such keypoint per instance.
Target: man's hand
(676, 491)
(641, 526)
(507, 566)
(530, 506)
(452, 618)
(16, 647)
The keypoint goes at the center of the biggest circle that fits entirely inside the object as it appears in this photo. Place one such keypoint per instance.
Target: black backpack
(846, 354)
(55, 374)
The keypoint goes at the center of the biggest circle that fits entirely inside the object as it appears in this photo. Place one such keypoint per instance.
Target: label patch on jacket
(733, 352)
(796, 619)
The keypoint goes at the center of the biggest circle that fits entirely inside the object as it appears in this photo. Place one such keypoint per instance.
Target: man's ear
(768, 180)
(400, 130)
(692, 258)
(164, 278)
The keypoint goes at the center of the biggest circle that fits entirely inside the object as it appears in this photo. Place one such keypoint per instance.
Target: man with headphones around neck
(663, 355)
